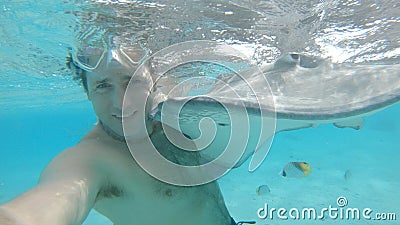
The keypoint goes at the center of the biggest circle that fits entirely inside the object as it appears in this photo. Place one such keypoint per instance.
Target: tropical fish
(263, 190)
(296, 169)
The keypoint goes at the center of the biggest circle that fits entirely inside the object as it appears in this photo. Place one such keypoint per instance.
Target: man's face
(107, 86)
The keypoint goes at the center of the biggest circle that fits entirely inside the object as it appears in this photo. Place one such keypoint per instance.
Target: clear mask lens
(90, 57)
(136, 54)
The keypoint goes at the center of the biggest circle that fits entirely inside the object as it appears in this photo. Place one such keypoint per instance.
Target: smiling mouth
(121, 117)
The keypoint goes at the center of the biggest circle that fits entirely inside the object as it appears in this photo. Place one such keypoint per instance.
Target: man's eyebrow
(105, 80)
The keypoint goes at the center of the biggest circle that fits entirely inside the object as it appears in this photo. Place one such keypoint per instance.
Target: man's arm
(65, 194)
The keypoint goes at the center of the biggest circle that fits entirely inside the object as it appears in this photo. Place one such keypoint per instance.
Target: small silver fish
(347, 175)
(263, 190)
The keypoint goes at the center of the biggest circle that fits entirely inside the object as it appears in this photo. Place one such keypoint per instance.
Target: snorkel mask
(89, 56)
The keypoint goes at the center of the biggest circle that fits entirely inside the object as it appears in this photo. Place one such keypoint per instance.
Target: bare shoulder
(82, 161)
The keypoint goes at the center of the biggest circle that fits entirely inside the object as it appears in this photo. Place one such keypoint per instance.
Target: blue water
(370, 154)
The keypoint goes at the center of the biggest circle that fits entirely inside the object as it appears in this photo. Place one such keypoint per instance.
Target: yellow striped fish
(296, 169)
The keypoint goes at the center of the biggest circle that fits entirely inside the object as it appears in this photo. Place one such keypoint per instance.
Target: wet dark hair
(79, 73)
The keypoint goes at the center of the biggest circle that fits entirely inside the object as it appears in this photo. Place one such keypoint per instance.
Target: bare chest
(131, 196)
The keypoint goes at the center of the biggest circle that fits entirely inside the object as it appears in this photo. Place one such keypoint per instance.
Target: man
(100, 172)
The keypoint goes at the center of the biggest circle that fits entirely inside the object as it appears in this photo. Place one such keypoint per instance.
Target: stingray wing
(302, 92)
(312, 89)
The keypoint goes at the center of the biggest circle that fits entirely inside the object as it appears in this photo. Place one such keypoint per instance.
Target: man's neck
(111, 133)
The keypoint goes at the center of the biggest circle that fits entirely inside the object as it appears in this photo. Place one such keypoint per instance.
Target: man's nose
(118, 98)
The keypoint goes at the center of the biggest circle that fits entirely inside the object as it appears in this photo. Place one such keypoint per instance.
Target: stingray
(294, 92)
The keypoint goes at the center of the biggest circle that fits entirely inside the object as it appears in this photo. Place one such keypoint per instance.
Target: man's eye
(103, 85)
